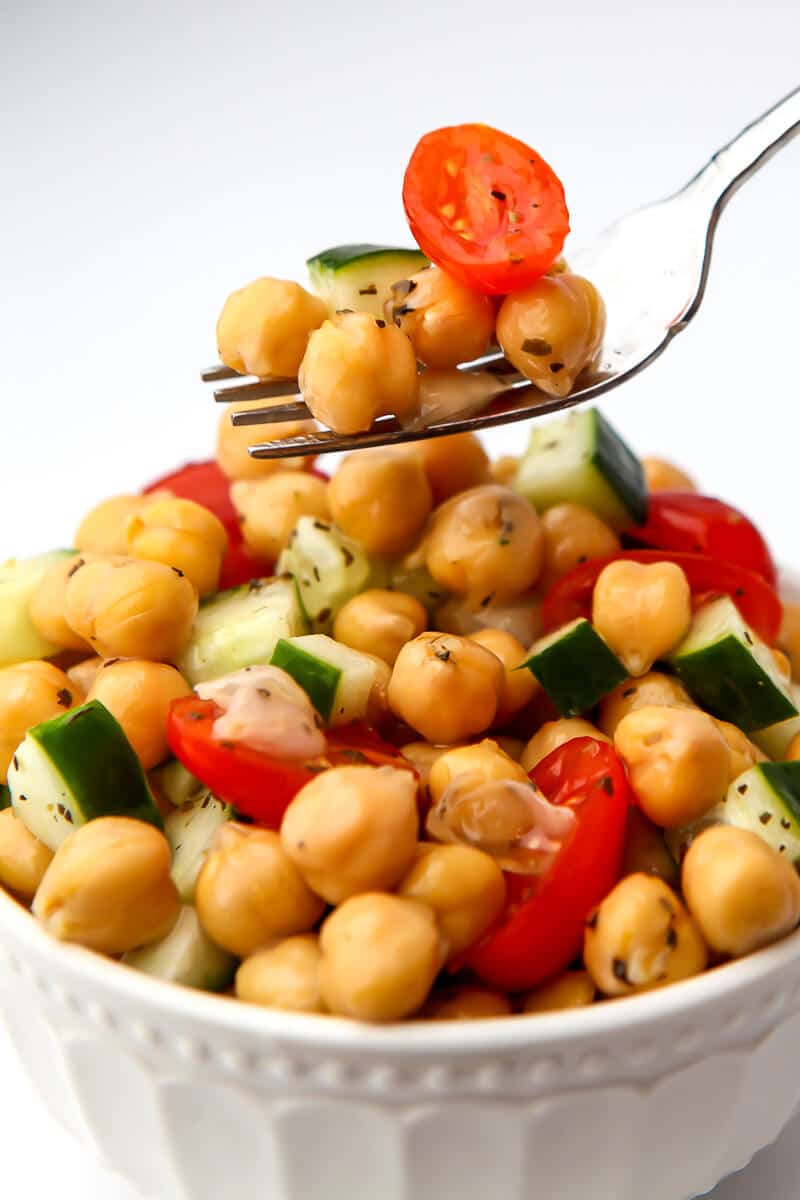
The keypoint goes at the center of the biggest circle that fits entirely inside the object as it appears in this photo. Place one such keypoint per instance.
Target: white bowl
(656, 1097)
(197, 1097)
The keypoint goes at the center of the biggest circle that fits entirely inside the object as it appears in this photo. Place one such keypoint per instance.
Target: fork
(651, 269)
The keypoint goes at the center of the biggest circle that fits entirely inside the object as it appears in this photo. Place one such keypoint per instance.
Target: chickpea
(554, 734)
(485, 760)
(632, 694)
(285, 975)
(646, 851)
(519, 686)
(380, 622)
(552, 329)
(381, 498)
(743, 753)
(789, 636)
(447, 322)
(641, 937)
(642, 611)
(269, 508)
(422, 755)
(249, 892)
(453, 464)
(467, 1004)
(139, 694)
(793, 753)
(355, 370)
(678, 761)
(380, 956)
(572, 989)
(504, 469)
(522, 617)
(104, 530)
(741, 892)
(46, 606)
(232, 442)
(30, 692)
(352, 829)
(264, 327)
(486, 543)
(573, 534)
(464, 887)
(109, 887)
(446, 687)
(664, 476)
(131, 608)
(82, 674)
(181, 534)
(23, 858)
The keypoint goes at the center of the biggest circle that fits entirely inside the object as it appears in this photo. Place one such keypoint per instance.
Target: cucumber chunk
(175, 783)
(328, 567)
(417, 582)
(19, 578)
(76, 767)
(360, 277)
(240, 628)
(190, 830)
(186, 956)
(575, 667)
(776, 739)
(729, 671)
(317, 677)
(582, 459)
(765, 800)
(341, 679)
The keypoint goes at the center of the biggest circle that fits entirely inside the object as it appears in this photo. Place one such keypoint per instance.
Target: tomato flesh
(485, 207)
(704, 525)
(571, 596)
(541, 931)
(206, 484)
(257, 784)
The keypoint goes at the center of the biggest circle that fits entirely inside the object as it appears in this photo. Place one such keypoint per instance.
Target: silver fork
(650, 267)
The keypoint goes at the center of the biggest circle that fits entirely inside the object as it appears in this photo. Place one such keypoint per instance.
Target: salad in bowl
(432, 738)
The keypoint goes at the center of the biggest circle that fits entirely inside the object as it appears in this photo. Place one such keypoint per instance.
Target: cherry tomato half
(541, 931)
(206, 484)
(485, 207)
(571, 596)
(704, 525)
(257, 784)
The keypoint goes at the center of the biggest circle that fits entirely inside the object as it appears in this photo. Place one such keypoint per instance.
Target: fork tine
(218, 371)
(262, 389)
(297, 411)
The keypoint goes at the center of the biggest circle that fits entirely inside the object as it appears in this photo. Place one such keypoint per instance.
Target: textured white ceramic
(195, 1097)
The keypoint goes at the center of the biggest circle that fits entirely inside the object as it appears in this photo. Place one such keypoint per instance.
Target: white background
(155, 155)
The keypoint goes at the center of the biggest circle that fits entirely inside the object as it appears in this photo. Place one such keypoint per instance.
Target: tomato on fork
(485, 207)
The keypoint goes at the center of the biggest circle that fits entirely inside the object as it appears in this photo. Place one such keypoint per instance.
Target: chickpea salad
(435, 737)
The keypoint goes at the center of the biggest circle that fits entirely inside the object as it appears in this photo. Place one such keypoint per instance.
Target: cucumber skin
(319, 680)
(337, 257)
(707, 676)
(589, 685)
(784, 778)
(5, 797)
(620, 467)
(90, 734)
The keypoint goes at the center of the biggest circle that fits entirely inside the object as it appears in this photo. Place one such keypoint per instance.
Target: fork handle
(731, 166)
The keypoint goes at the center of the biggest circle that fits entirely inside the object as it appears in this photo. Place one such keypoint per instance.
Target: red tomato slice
(255, 783)
(206, 484)
(485, 207)
(703, 525)
(571, 596)
(541, 931)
